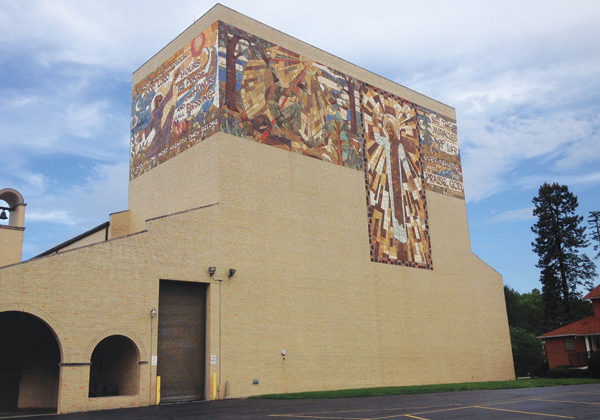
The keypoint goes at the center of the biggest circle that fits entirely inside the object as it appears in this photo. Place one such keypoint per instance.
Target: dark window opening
(569, 344)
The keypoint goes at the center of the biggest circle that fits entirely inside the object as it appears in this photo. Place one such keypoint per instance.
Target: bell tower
(11, 233)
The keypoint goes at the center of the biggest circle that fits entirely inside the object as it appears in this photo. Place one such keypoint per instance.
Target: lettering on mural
(440, 154)
(162, 77)
(209, 129)
(196, 103)
(186, 73)
(441, 162)
(193, 86)
(442, 181)
(443, 134)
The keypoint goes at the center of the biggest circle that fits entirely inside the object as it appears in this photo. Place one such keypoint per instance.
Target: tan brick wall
(88, 240)
(296, 231)
(185, 181)
(85, 295)
(119, 225)
(11, 243)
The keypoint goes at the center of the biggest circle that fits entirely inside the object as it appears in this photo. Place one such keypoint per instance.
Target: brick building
(572, 344)
(294, 223)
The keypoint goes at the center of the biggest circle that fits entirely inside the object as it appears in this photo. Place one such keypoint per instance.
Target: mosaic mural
(176, 105)
(274, 96)
(440, 154)
(228, 80)
(395, 194)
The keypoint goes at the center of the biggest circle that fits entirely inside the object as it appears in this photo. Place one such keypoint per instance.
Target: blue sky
(524, 77)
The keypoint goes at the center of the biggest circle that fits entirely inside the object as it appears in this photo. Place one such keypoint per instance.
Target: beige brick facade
(296, 231)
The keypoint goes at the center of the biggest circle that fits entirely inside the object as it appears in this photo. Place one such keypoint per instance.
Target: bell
(3, 215)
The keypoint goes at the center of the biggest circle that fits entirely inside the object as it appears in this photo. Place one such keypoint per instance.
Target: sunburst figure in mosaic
(394, 175)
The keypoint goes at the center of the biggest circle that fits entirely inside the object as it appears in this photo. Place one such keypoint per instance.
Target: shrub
(540, 369)
(566, 372)
(527, 352)
(594, 364)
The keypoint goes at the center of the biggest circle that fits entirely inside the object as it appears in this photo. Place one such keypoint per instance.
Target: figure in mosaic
(395, 163)
(396, 198)
(176, 105)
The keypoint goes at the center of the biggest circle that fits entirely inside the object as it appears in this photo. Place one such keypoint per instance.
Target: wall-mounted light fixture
(153, 312)
(212, 271)
(231, 272)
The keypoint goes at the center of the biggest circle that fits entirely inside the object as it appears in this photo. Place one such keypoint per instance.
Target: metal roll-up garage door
(181, 340)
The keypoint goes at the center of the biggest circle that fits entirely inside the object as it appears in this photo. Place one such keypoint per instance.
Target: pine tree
(594, 225)
(559, 237)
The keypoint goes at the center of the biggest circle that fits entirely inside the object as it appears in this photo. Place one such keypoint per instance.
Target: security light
(231, 272)
(212, 271)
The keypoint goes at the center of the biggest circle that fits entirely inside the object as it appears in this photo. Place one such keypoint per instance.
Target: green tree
(532, 312)
(527, 352)
(511, 297)
(594, 225)
(525, 310)
(559, 237)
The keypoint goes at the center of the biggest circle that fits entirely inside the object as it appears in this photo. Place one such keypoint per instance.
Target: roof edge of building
(227, 15)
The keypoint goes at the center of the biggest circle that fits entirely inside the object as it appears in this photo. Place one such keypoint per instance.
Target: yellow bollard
(157, 390)
(214, 386)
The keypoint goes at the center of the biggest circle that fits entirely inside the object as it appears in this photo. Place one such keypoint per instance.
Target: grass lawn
(422, 389)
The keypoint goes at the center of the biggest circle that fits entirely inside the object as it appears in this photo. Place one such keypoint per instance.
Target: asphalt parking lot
(564, 402)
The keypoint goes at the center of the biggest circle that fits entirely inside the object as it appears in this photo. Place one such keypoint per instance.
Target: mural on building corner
(176, 105)
(440, 154)
(274, 96)
(228, 80)
(393, 175)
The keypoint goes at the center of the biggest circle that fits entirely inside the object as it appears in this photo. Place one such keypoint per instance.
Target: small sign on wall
(153, 360)
(213, 359)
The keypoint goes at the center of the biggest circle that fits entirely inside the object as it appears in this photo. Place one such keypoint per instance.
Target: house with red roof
(572, 344)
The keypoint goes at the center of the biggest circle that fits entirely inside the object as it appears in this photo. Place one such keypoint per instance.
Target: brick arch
(115, 366)
(125, 332)
(49, 320)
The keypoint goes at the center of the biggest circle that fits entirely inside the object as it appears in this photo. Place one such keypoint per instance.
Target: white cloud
(516, 215)
(508, 117)
(104, 191)
(491, 150)
(57, 117)
(585, 149)
(581, 179)
(86, 120)
(53, 216)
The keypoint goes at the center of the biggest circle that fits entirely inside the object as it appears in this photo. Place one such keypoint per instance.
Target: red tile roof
(594, 294)
(585, 326)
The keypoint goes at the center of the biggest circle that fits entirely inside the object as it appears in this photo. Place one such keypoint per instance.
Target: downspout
(587, 345)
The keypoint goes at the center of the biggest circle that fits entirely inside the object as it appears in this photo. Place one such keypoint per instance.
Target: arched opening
(115, 368)
(4, 212)
(29, 363)
(12, 208)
